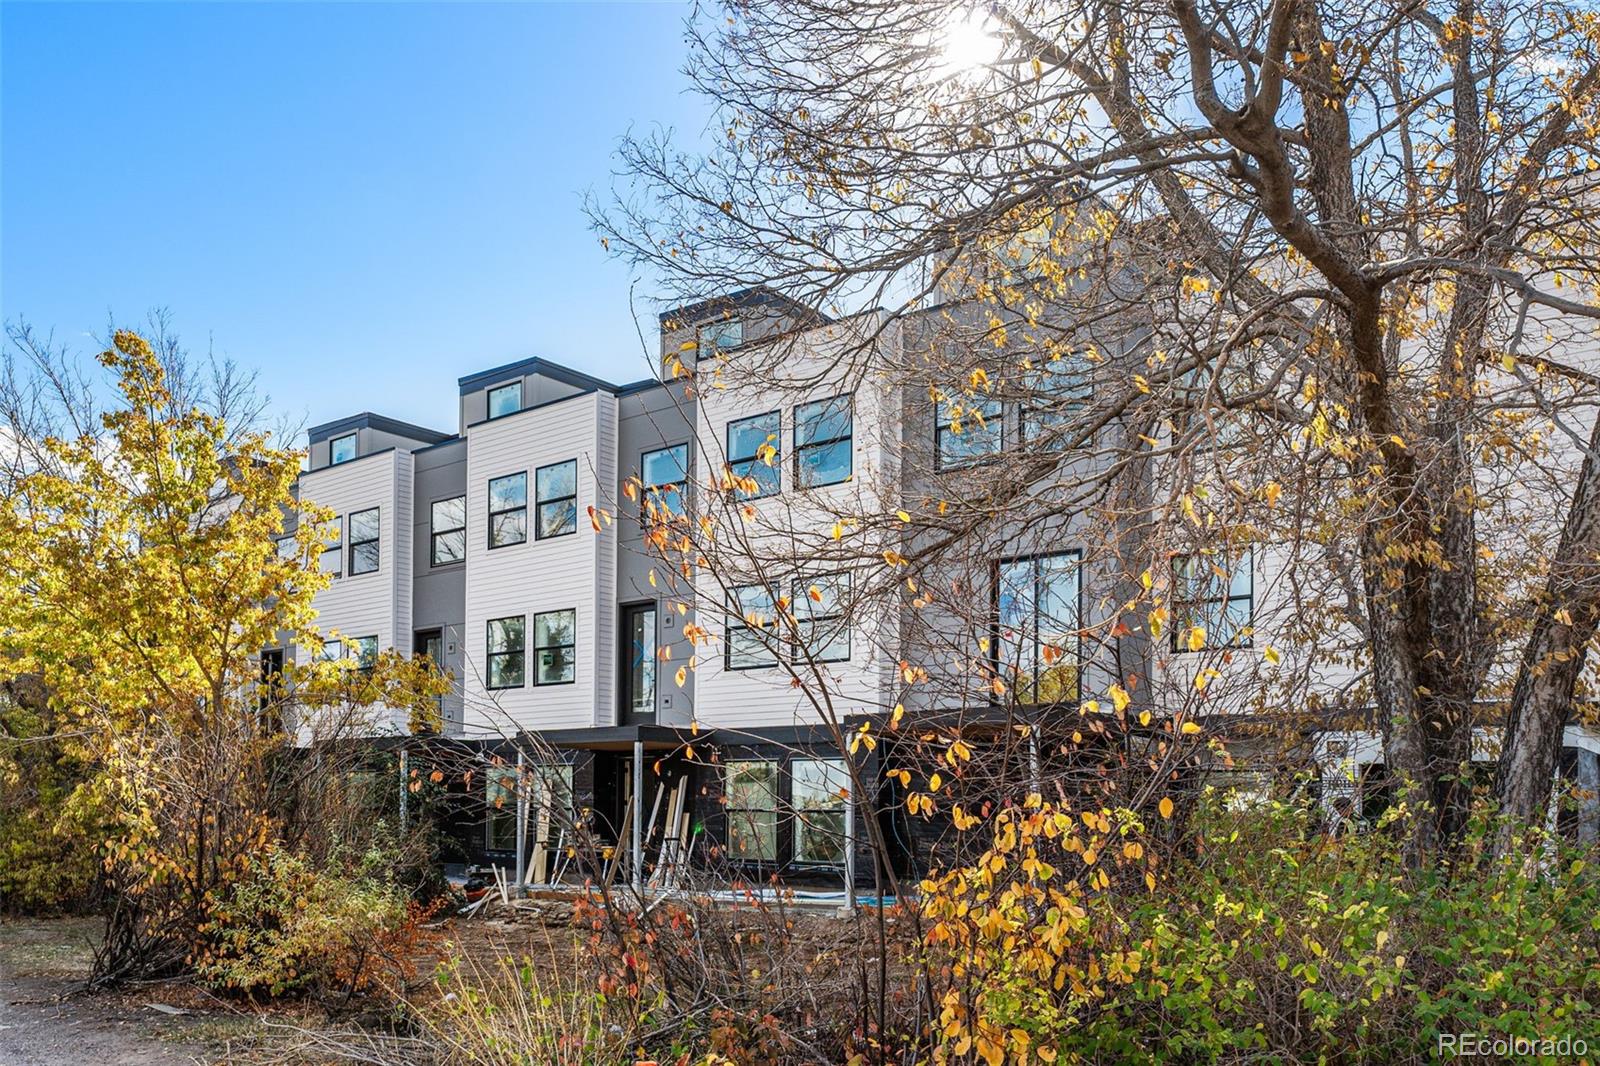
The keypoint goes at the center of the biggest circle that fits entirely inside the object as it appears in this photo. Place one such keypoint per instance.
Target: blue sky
(365, 201)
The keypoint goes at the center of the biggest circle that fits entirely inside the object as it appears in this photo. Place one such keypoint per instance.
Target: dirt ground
(46, 1020)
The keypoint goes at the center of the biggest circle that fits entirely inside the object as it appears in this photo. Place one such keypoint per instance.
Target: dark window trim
(736, 622)
(801, 449)
(777, 444)
(350, 548)
(800, 589)
(572, 649)
(1065, 403)
(682, 485)
(1179, 647)
(337, 547)
(434, 532)
(488, 402)
(941, 426)
(355, 437)
(994, 615)
(785, 837)
(490, 656)
(489, 490)
(539, 501)
(365, 668)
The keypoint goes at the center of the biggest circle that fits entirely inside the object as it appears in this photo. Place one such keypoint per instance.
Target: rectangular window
(823, 433)
(1059, 390)
(820, 603)
(1214, 595)
(505, 400)
(1036, 641)
(964, 434)
(341, 449)
(331, 651)
(721, 336)
(554, 638)
(665, 474)
(448, 539)
(556, 487)
(332, 546)
(508, 510)
(364, 541)
(754, 456)
(500, 809)
(506, 647)
(818, 792)
(364, 650)
(752, 628)
(752, 810)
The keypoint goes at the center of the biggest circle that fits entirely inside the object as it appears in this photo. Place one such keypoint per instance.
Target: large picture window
(364, 541)
(556, 487)
(554, 643)
(752, 810)
(823, 438)
(1215, 594)
(818, 791)
(721, 336)
(506, 648)
(752, 628)
(665, 473)
(505, 400)
(754, 455)
(1036, 638)
(966, 433)
(508, 510)
(820, 603)
(448, 531)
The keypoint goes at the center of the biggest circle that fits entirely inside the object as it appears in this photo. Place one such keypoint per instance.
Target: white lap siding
(576, 572)
(376, 604)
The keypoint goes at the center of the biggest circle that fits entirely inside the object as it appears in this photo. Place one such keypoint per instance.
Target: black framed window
(755, 455)
(752, 628)
(665, 475)
(1036, 636)
(331, 560)
(331, 651)
(364, 541)
(508, 510)
(554, 647)
(505, 400)
(447, 524)
(364, 650)
(500, 809)
(752, 809)
(818, 791)
(721, 336)
(556, 487)
(823, 442)
(1215, 594)
(639, 671)
(1059, 389)
(966, 433)
(820, 603)
(506, 652)
(341, 449)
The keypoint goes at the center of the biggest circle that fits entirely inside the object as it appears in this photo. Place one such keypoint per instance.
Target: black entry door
(639, 664)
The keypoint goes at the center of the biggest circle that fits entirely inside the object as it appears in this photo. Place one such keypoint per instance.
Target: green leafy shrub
(286, 927)
(1266, 943)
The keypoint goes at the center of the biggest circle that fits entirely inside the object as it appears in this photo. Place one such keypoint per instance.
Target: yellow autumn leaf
(1165, 806)
(1197, 638)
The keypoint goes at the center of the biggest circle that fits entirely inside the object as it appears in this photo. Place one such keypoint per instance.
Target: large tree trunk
(1541, 700)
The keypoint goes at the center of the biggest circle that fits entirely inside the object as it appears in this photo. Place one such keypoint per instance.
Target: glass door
(639, 663)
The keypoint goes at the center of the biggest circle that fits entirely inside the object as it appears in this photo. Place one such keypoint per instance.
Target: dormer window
(721, 335)
(505, 400)
(341, 449)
